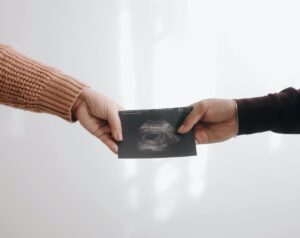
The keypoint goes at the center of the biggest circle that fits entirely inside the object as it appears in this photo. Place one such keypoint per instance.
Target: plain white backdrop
(58, 181)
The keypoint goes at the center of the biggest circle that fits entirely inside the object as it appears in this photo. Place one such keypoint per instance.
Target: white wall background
(58, 181)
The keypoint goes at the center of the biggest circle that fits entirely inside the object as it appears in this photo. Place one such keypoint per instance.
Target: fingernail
(119, 137)
(115, 148)
(181, 128)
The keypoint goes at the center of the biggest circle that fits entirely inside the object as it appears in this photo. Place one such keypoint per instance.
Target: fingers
(112, 132)
(104, 108)
(104, 134)
(192, 119)
(108, 140)
(102, 130)
(115, 124)
(201, 135)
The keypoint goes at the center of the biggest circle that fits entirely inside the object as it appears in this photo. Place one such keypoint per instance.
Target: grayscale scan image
(153, 134)
(156, 135)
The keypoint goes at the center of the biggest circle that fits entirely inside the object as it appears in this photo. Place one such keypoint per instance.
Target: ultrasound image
(156, 135)
(153, 134)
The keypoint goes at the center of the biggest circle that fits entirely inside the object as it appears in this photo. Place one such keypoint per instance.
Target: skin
(215, 120)
(98, 114)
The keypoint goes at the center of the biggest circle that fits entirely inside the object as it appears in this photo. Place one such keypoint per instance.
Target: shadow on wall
(149, 22)
(98, 53)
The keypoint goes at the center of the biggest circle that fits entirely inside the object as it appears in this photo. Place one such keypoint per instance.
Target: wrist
(78, 103)
(236, 118)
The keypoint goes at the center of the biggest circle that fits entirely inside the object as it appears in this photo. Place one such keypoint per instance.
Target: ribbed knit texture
(30, 85)
(277, 112)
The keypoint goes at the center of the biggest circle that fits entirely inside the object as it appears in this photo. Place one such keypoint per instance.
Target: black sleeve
(278, 112)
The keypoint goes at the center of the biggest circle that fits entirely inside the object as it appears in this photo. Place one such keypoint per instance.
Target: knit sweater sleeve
(30, 85)
(278, 112)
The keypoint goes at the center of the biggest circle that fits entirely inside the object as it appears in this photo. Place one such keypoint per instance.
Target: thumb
(115, 125)
(192, 119)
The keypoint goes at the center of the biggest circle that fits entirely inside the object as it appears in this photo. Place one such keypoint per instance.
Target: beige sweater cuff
(59, 95)
(30, 85)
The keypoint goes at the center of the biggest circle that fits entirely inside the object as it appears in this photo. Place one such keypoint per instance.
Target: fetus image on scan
(156, 136)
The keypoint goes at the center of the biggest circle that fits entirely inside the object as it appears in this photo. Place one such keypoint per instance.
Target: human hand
(215, 120)
(99, 116)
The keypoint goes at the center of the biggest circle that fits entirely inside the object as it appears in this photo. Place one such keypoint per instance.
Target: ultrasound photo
(153, 134)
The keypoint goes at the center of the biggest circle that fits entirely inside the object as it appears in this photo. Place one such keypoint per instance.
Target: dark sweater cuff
(279, 112)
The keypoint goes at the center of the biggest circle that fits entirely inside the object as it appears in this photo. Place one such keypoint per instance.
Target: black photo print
(153, 134)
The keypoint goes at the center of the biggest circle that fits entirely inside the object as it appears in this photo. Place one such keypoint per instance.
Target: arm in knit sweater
(30, 85)
(277, 112)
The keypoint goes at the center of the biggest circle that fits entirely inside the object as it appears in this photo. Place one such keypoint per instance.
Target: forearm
(279, 112)
(29, 85)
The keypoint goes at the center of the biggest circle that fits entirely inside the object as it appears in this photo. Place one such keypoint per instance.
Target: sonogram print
(156, 136)
(153, 134)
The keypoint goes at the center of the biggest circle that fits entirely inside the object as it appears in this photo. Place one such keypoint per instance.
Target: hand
(99, 115)
(215, 120)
